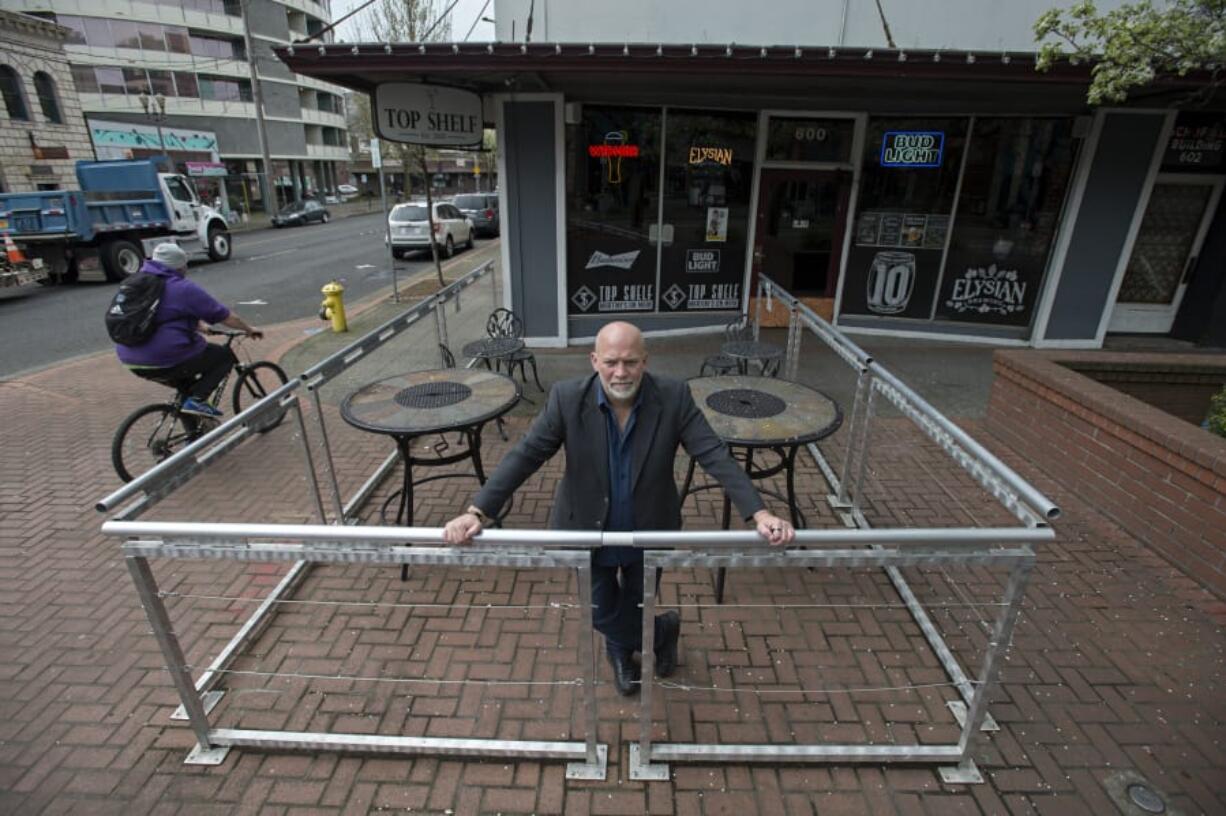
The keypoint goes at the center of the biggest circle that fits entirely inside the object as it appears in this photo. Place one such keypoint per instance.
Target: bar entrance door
(801, 220)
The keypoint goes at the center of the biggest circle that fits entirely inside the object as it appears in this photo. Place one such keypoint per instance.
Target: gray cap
(171, 255)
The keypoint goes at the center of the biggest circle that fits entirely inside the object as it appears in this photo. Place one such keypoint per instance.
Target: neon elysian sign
(719, 155)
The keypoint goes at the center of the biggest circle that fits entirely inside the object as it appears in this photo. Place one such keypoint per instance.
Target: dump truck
(107, 227)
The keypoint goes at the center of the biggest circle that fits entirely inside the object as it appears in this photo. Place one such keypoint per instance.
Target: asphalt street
(272, 276)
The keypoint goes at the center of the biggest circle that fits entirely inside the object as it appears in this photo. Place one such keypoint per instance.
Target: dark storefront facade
(972, 202)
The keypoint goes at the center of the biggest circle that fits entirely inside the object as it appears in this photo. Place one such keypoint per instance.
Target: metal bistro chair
(721, 364)
(505, 323)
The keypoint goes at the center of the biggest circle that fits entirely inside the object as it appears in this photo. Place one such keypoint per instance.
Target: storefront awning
(729, 75)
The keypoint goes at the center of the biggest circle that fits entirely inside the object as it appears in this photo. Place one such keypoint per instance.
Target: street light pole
(266, 185)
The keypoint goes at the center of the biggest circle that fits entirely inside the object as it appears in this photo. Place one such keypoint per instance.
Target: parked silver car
(482, 210)
(410, 228)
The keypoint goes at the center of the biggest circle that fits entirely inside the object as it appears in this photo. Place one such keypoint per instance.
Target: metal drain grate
(433, 395)
(746, 403)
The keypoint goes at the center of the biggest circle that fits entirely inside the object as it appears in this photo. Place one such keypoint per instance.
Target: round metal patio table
(746, 351)
(423, 403)
(492, 348)
(762, 414)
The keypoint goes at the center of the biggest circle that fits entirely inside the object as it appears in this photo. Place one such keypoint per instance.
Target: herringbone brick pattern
(1116, 663)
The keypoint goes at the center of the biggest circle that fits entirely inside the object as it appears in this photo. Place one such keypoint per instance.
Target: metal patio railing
(339, 540)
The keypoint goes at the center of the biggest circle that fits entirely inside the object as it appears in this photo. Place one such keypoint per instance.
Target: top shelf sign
(433, 115)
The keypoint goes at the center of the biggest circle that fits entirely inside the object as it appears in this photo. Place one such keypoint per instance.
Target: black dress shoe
(666, 651)
(626, 675)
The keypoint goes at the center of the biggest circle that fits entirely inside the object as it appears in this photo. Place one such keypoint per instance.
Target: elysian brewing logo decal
(624, 260)
(891, 280)
(701, 260)
(988, 290)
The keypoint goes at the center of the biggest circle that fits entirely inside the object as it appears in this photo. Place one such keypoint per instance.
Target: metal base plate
(959, 710)
(966, 773)
(582, 770)
(646, 772)
(210, 756)
(211, 699)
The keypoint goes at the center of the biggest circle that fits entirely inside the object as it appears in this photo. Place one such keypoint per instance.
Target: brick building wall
(1157, 476)
(29, 45)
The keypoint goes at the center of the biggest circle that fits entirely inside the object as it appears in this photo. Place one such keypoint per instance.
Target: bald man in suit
(621, 428)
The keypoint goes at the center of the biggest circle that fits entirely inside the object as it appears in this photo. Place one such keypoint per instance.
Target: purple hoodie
(175, 339)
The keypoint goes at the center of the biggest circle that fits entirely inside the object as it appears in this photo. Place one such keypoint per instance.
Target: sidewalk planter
(1160, 477)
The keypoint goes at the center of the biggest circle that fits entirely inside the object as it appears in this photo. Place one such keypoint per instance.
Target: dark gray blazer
(667, 418)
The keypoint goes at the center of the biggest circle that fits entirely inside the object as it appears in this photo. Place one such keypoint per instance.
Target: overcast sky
(462, 17)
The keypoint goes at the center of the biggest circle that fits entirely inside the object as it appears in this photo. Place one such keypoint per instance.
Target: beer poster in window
(612, 179)
(890, 282)
(708, 174)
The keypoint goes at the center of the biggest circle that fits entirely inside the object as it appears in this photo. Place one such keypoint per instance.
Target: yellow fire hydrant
(333, 306)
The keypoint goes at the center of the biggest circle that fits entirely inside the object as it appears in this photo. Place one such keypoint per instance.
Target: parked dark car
(481, 209)
(301, 212)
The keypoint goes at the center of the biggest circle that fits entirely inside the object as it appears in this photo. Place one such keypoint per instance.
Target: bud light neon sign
(912, 148)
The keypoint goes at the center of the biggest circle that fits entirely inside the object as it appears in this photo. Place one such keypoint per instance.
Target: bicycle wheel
(148, 436)
(257, 381)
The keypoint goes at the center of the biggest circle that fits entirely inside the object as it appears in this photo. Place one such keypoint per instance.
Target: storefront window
(810, 140)
(612, 210)
(1017, 171)
(708, 176)
(910, 174)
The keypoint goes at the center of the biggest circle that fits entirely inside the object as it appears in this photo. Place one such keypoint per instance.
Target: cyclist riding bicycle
(175, 354)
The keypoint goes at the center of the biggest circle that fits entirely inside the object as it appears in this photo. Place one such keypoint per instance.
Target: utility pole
(266, 185)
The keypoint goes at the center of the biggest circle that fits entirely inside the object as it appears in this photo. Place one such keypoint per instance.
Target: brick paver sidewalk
(1116, 665)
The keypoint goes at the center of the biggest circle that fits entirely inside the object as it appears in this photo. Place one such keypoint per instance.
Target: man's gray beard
(611, 394)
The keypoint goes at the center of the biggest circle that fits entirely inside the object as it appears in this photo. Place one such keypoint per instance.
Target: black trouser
(196, 377)
(617, 594)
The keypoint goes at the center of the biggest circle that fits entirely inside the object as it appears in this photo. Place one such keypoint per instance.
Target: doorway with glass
(1168, 243)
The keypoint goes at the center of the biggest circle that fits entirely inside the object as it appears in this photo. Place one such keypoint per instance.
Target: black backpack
(130, 317)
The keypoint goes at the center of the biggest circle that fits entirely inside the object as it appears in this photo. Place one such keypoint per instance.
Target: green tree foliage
(1137, 43)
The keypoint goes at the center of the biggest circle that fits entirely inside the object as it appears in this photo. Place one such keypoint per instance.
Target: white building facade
(194, 54)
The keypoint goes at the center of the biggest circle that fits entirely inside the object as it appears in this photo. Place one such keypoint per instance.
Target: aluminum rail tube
(155, 473)
(819, 325)
(337, 534)
(1045, 506)
(574, 538)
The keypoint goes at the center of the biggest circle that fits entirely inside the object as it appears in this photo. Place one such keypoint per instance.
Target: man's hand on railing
(461, 529)
(774, 529)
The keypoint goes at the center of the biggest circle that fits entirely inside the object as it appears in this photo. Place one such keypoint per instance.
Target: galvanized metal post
(310, 464)
(863, 383)
(176, 663)
(596, 761)
(792, 361)
(863, 463)
(1000, 641)
(328, 463)
(757, 311)
(641, 767)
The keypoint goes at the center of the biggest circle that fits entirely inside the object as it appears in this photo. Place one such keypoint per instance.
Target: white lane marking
(253, 303)
(271, 254)
(365, 266)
